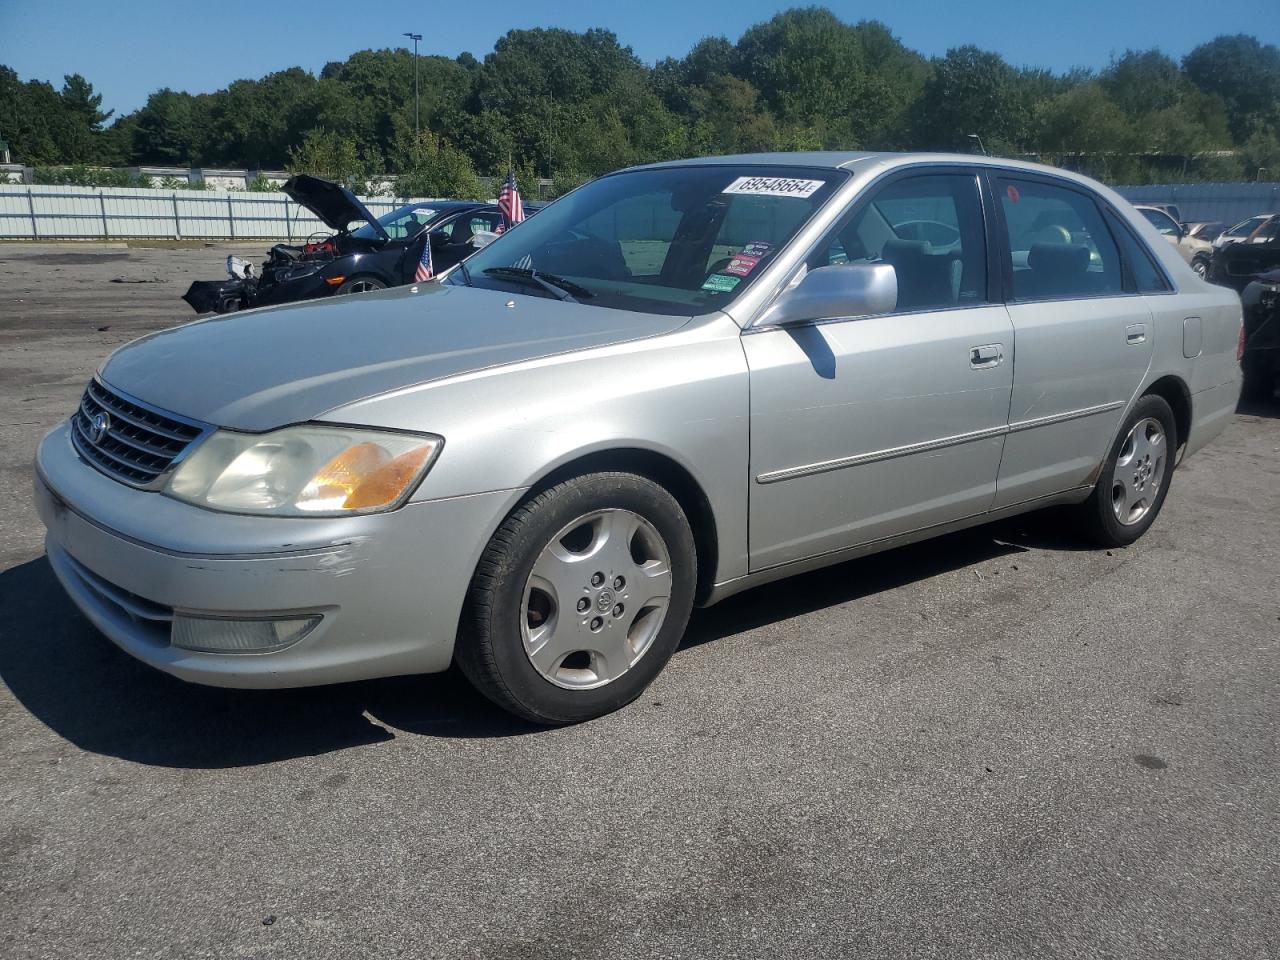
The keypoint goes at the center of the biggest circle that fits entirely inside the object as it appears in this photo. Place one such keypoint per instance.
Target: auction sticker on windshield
(719, 283)
(774, 186)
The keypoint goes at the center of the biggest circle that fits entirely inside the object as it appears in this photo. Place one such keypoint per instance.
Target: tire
(1201, 267)
(360, 285)
(558, 643)
(1139, 469)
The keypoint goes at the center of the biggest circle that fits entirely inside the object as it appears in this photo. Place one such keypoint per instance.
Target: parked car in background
(1236, 265)
(1208, 230)
(1170, 210)
(1245, 230)
(1261, 360)
(371, 255)
(1198, 253)
(677, 382)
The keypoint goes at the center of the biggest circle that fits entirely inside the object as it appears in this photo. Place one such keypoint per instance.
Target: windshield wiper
(466, 274)
(556, 286)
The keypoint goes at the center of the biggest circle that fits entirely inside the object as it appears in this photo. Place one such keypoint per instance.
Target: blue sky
(129, 49)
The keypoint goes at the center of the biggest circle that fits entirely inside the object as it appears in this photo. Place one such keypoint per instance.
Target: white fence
(119, 213)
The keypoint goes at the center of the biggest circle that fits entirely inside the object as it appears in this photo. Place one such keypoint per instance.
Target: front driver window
(930, 230)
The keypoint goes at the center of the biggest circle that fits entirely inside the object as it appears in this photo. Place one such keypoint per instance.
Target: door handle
(986, 356)
(1135, 333)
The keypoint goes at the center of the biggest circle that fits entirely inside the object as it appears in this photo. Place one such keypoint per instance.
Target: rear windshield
(679, 240)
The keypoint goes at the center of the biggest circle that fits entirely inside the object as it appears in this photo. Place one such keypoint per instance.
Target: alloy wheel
(1139, 471)
(596, 599)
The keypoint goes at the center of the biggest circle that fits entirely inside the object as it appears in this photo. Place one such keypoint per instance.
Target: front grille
(140, 443)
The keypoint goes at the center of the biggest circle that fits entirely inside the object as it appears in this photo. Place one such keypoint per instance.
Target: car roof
(860, 161)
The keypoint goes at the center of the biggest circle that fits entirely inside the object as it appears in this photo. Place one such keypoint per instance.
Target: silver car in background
(675, 383)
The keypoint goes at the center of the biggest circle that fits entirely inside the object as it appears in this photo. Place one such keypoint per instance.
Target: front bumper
(389, 587)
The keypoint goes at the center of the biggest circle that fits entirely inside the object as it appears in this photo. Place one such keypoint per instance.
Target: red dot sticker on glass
(1013, 194)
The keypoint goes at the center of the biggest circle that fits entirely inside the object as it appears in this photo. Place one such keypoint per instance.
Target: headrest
(898, 251)
(1058, 257)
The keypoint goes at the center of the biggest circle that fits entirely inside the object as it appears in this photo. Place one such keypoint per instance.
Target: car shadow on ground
(77, 683)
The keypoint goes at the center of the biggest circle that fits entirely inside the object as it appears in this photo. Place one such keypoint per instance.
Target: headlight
(304, 471)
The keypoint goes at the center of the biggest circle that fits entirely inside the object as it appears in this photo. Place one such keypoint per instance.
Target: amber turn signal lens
(366, 476)
(334, 281)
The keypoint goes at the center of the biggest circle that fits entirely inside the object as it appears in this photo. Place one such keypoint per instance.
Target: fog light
(211, 635)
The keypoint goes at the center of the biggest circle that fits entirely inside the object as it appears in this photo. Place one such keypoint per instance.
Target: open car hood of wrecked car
(334, 204)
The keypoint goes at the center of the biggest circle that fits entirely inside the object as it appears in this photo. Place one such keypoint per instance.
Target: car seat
(925, 279)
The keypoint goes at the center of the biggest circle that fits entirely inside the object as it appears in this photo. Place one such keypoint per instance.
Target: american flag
(509, 200)
(425, 269)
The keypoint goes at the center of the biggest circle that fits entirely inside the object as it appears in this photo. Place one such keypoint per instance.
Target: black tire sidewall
(1112, 531)
(345, 289)
(538, 698)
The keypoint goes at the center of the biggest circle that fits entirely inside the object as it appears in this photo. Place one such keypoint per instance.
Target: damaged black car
(1261, 355)
(365, 253)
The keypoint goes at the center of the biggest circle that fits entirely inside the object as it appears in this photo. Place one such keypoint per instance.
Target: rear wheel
(580, 599)
(1135, 477)
(361, 285)
(1201, 266)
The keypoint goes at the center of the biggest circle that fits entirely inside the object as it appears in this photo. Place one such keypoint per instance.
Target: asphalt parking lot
(994, 745)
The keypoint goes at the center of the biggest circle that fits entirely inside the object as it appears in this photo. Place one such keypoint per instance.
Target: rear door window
(1058, 244)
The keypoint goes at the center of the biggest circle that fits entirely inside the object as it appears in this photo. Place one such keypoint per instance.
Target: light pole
(415, 37)
(974, 136)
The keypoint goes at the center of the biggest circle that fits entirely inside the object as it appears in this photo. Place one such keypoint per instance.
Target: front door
(863, 428)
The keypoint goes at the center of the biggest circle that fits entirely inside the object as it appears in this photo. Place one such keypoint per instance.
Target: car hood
(266, 368)
(334, 204)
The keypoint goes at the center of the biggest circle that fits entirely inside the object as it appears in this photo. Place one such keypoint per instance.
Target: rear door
(863, 428)
(1083, 335)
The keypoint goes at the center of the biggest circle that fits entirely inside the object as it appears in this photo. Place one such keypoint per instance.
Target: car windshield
(402, 223)
(674, 240)
(1246, 227)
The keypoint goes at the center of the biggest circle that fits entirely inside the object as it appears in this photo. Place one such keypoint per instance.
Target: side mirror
(840, 290)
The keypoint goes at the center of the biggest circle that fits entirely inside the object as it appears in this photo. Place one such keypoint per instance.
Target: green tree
(323, 153)
(970, 91)
(1244, 74)
(168, 129)
(429, 166)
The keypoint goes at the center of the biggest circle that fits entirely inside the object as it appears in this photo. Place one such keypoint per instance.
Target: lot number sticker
(774, 186)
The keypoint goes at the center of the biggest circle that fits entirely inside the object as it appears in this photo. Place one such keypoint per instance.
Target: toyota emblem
(98, 427)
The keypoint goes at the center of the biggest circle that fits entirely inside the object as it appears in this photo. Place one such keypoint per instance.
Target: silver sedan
(675, 383)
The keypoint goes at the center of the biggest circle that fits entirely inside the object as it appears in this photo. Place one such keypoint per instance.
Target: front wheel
(1201, 267)
(580, 599)
(1135, 477)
